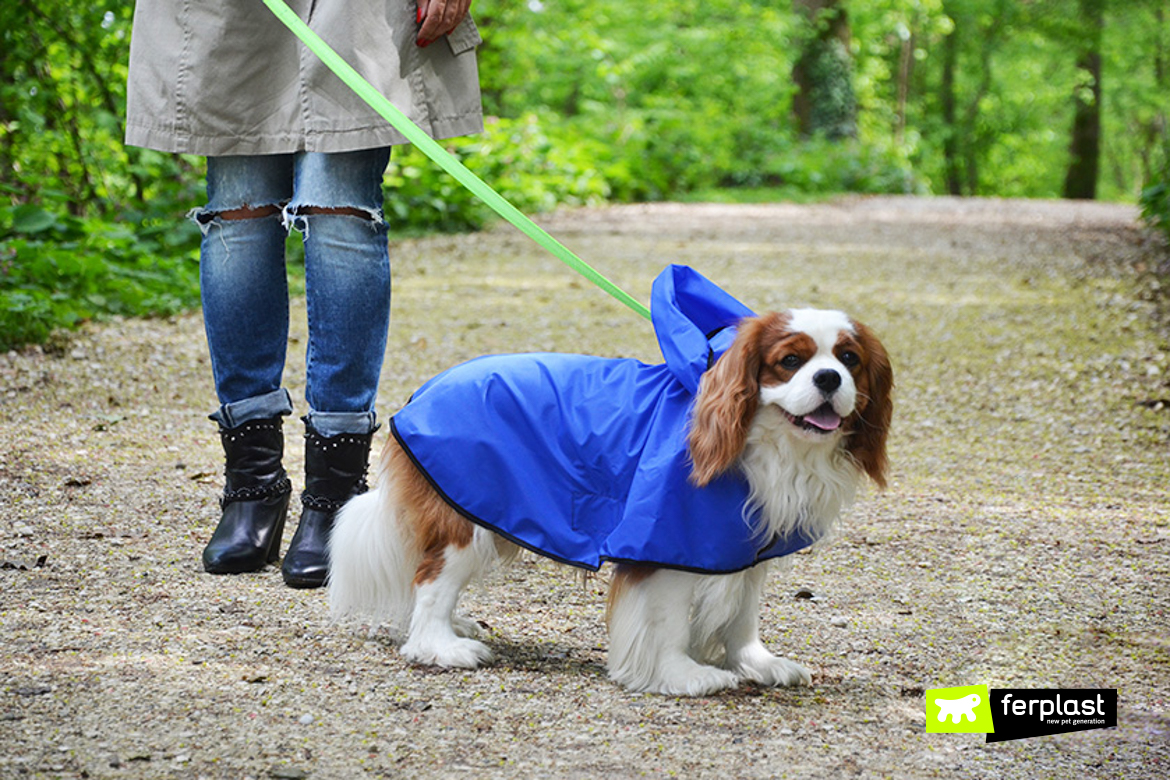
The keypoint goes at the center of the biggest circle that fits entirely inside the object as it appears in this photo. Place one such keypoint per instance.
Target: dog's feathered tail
(371, 563)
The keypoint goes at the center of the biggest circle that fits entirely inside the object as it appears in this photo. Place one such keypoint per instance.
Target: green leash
(442, 157)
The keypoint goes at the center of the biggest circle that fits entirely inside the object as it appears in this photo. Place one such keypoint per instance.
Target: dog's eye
(791, 362)
(849, 359)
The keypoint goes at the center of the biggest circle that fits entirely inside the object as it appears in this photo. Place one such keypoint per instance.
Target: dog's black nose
(827, 380)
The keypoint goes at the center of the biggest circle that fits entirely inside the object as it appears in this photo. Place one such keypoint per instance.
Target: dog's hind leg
(371, 561)
(437, 636)
(650, 635)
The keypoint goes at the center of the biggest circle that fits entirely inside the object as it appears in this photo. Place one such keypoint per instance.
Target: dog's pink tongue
(824, 418)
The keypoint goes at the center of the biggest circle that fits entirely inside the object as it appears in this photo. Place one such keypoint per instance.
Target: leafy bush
(57, 271)
(640, 102)
(1155, 201)
(534, 163)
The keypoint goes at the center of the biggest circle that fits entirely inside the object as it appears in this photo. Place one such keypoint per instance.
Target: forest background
(593, 101)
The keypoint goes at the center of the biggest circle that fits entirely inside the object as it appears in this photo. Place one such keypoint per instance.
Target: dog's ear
(871, 424)
(726, 403)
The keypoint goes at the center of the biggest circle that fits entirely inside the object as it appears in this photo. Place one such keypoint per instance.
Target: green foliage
(535, 164)
(591, 101)
(57, 270)
(62, 103)
(90, 228)
(1136, 103)
(1155, 201)
(677, 95)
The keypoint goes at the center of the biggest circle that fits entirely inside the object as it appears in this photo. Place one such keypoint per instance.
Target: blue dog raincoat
(584, 459)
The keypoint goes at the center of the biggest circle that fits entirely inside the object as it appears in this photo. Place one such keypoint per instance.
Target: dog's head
(825, 374)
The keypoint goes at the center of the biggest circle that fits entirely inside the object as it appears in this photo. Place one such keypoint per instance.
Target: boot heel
(278, 533)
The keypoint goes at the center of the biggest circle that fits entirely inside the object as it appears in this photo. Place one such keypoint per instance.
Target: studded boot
(335, 471)
(255, 499)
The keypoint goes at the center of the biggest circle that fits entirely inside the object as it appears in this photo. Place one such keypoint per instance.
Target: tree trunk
(952, 164)
(825, 101)
(1085, 145)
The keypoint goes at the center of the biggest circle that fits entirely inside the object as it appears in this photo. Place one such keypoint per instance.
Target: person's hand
(439, 17)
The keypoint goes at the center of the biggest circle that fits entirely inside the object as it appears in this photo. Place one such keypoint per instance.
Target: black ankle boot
(335, 471)
(255, 499)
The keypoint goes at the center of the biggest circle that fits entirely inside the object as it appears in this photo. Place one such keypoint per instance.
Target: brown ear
(871, 424)
(726, 403)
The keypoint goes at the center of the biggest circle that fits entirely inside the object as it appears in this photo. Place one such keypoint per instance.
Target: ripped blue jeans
(335, 201)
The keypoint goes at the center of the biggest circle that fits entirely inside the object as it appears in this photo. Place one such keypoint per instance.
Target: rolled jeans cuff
(260, 407)
(330, 424)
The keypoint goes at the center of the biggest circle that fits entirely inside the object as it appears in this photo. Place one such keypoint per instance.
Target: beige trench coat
(225, 77)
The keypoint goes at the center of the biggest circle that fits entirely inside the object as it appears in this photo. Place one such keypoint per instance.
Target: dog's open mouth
(823, 420)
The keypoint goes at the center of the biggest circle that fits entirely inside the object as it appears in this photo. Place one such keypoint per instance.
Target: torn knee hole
(248, 212)
(205, 218)
(347, 211)
(298, 217)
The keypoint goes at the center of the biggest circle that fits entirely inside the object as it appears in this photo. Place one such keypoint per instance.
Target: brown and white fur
(800, 403)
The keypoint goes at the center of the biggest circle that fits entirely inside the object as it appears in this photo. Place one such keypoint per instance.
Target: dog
(786, 423)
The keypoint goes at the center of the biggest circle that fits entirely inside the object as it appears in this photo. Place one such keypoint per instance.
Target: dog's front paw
(685, 677)
(458, 653)
(760, 666)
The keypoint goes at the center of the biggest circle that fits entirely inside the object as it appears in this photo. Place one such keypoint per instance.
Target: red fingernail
(419, 17)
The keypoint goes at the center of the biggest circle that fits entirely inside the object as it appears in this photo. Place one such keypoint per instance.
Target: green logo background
(956, 704)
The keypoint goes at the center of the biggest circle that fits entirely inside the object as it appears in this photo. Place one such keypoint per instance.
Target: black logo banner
(1020, 713)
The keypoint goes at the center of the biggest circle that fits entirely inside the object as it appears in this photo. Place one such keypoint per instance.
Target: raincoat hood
(694, 321)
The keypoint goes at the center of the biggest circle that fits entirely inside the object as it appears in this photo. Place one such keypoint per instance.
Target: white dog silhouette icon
(958, 709)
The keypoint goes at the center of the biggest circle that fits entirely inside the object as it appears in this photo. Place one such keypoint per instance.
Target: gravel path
(1024, 540)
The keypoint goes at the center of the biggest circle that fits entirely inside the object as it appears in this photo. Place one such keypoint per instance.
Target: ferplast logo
(962, 710)
(1018, 713)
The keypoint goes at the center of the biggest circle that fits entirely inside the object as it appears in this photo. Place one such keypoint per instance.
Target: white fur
(371, 560)
(671, 632)
(796, 483)
(688, 634)
(822, 324)
(650, 639)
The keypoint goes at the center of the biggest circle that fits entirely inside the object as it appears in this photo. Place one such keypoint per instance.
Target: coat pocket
(465, 37)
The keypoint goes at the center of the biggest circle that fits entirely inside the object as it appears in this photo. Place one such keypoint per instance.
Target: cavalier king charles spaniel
(798, 407)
